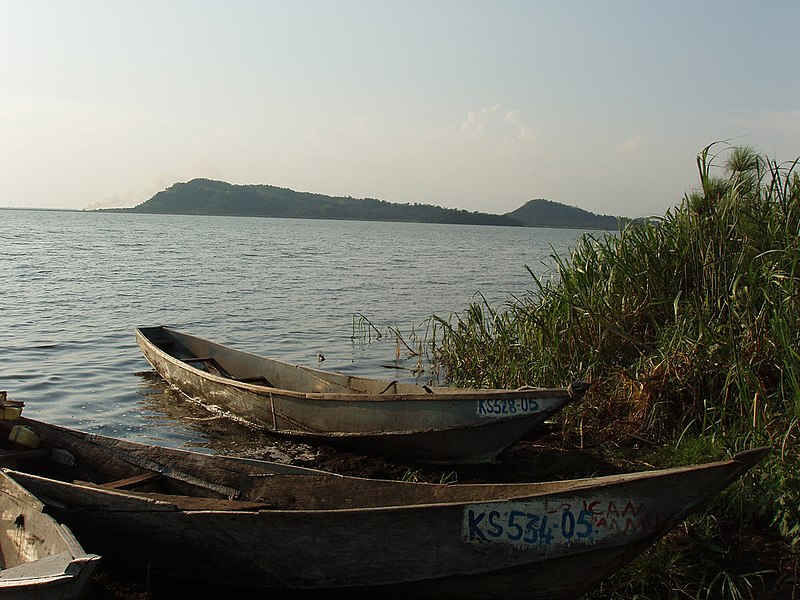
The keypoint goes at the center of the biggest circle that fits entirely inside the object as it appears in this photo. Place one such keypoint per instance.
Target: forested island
(209, 197)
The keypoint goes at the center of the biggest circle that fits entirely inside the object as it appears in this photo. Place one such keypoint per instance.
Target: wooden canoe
(39, 558)
(255, 523)
(413, 422)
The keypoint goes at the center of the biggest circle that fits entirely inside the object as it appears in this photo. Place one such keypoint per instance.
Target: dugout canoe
(244, 522)
(39, 558)
(413, 422)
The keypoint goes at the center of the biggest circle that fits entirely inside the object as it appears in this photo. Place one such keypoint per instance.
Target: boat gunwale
(460, 395)
(77, 565)
(674, 503)
(746, 459)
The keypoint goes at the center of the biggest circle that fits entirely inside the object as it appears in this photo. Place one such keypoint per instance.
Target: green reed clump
(687, 319)
(686, 325)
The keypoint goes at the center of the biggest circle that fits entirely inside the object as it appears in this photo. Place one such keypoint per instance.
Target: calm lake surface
(76, 284)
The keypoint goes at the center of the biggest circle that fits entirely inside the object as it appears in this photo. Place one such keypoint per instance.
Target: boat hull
(276, 526)
(417, 423)
(41, 559)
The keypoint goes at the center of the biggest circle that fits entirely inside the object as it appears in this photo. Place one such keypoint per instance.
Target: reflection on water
(209, 431)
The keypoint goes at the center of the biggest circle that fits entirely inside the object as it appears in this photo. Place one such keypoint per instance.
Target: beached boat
(39, 558)
(414, 422)
(254, 523)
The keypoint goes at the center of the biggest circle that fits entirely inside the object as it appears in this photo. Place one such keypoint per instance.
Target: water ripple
(77, 284)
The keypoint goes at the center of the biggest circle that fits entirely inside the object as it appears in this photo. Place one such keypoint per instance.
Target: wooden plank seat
(201, 359)
(260, 380)
(211, 365)
(130, 483)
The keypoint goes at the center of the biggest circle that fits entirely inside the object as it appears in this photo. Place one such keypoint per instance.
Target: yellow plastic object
(23, 436)
(10, 413)
(9, 409)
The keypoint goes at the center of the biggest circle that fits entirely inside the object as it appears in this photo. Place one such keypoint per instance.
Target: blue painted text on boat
(513, 406)
(548, 524)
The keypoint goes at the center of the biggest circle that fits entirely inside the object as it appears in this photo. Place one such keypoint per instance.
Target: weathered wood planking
(40, 558)
(256, 523)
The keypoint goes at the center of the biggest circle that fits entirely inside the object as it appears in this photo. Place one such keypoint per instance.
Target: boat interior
(250, 368)
(194, 481)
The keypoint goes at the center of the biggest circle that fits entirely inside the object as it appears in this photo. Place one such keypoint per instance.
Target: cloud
(635, 144)
(461, 163)
(497, 127)
(483, 132)
(478, 121)
(200, 167)
(364, 138)
(135, 194)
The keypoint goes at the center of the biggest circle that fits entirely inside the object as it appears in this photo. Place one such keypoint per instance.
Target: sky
(475, 105)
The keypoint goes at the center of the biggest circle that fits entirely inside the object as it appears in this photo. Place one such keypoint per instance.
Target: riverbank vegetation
(687, 328)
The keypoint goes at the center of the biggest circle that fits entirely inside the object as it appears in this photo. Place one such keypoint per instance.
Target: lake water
(76, 284)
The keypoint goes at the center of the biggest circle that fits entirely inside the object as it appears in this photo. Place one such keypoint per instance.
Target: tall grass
(686, 325)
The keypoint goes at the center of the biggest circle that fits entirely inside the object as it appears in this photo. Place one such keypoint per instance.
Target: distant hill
(546, 213)
(209, 197)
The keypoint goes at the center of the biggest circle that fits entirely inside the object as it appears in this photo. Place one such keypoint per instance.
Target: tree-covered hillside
(206, 197)
(546, 213)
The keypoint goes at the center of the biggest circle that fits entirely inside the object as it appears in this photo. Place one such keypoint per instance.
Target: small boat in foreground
(39, 558)
(245, 522)
(414, 422)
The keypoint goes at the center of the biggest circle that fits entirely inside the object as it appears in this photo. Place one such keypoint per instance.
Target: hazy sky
(480, 105)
